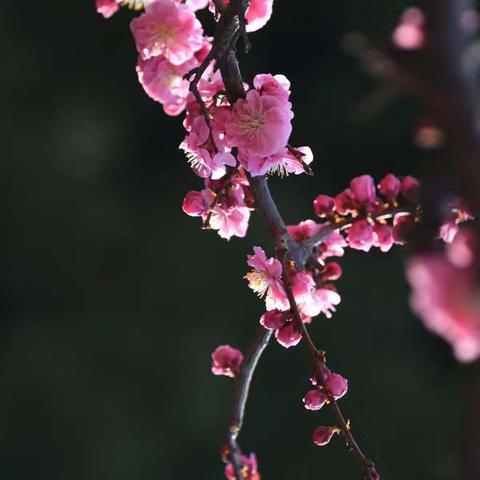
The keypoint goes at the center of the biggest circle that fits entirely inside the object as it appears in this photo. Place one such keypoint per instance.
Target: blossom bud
(363, 189)
(345, 202)
(389, 187)
(274, 319)
(383, 236)
(411, 188)
(361, 236)
(332, 272)
(323, 205)
(336, 385)
(288, 336)
(322, 435)
(226, 361)
(194, 204)
(314, 400)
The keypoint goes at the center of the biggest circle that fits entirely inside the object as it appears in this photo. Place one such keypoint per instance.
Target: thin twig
(240, 397)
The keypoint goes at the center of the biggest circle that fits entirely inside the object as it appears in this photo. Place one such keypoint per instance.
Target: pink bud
(336, 385)
(389, 187)
(363, 189)
(383, 236)
(322, 435)
(345, 202)
(194, 204)
(274, 319)
(226, 361)
(106, 8)
(411, 188)
(332, 272)
(288, 336)
(361, 236)
(314, 400)
(323, 205)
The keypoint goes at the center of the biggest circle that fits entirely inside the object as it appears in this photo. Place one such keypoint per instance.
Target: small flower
(106, 8)
(411, 188)
(383, 236)
(322, 435)
(361, 235)
(390, 187)
(274, 319)
(336, 385)
(226, 361)
(314, 400)
(363, 190)
(265, 279)
(323, 205)
(288, 335)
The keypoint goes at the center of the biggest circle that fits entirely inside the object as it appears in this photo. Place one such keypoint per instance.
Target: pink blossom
(258, 14)
(409, 33)
(389, 187)
(363, 190)
(167, 29)
(448, 231)
(275, 85)
(274, 319)
(411, 188)
(304, 231)
(321, 300)
(197, 204)
(361, 235)
(444, 296)
(336, 385)
(164, 82)
(249, 468)
(383, 236)
(106, 8)
(402, 226)
(314, 400)
(226, 361)
(332, 272)
(194, 4)
(259, 125)
(288, 335)
(333, 245)
(266, 278)
(345, 202)
(322, 435)
(282, 162)
(323, 205)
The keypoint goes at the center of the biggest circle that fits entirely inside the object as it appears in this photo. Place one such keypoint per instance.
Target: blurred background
(112, 299)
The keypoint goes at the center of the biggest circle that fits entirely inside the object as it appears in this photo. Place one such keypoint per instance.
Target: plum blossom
(322, 435)
(323, 205)
(321, 300)
(314, 400)
(259, 125)
(361, 235)
(390, 187)
(288, 335)
(226, 361)
(249, 468)
(258, 14)
(363, 190)
(444, 295)
(107, 8)
(336, 385)
(266, 279)
(167, 29)
(277, 86)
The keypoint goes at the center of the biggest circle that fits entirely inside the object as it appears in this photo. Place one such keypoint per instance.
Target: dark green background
(112, 299)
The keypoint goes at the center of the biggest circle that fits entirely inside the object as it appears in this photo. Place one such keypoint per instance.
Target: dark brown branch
(240, 397)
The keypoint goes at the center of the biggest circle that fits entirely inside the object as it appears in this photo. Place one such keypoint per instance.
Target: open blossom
(106, 8)
(258, 14)
(249, 468)
(275, 85)
(266, 278)
(226, 361)
(321, 300)
(283, 162)
(259, 125)
(167, 29)
(444, 295)
(361, 235)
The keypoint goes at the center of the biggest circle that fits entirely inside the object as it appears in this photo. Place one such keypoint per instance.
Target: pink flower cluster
(313, 292)
(445, 293)
(363, 211)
